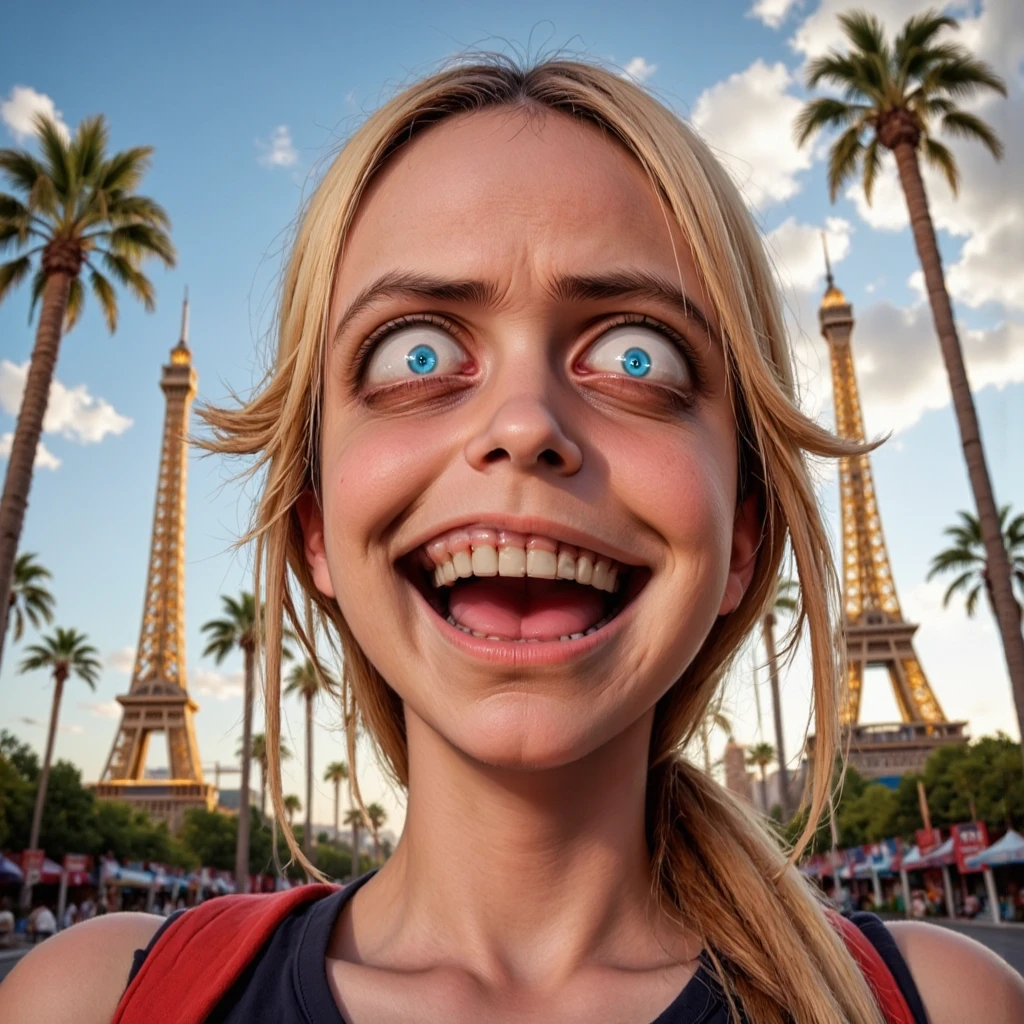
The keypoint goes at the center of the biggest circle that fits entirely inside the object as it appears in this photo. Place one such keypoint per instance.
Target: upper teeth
(482, 551)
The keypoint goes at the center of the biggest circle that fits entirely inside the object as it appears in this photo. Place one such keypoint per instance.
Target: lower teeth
(531, 640)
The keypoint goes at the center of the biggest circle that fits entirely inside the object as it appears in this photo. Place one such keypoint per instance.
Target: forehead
(512, 189)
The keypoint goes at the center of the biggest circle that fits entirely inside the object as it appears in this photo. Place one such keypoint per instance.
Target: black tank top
(286, 983)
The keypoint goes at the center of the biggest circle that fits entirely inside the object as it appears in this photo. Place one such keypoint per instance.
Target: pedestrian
(7, 923)
(70, 916)
(530, 455)
(42, 923)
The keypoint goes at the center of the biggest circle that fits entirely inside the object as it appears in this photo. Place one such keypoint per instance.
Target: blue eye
(419, 350)
(641, 352)
(421, 359)
(636, 362)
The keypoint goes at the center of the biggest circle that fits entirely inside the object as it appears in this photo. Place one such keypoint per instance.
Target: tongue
(525, 608)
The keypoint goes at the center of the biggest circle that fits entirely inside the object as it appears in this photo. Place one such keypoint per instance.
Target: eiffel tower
(158, 698)
(877, 634)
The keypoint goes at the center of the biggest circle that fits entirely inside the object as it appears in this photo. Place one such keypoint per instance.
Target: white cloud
(71, 412)
(639, 69)
(101, 708)
(748, 119)
(797, 252)
(278, 150)
(219, 685)
(45, 459)
(821, 29)
(22, 105)
(74, 730)
(772, 12)
(121, 660)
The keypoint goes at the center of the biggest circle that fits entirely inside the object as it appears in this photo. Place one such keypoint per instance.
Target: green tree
(75, 207)
(237, 630)
(354, 819)
(336, 773)
(334, 860)
(259, 755)
(785, 601)
(760, 755)
(966, 557)
(29, 598)
(292, 806)
(377, 815)
(308, 680)
(65, 652)
(896, 96)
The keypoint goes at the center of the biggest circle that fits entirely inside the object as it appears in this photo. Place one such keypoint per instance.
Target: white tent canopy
(1009, 850)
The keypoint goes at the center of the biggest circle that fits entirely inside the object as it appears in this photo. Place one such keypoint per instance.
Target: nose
(525, 433)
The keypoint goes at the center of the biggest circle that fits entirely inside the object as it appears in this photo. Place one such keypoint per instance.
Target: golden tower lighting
(158, 700)
(877, 634)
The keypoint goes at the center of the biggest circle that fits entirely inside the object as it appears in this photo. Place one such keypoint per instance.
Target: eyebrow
(618, 284)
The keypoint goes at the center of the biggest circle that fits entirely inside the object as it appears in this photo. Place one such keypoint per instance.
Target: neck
(534, 872)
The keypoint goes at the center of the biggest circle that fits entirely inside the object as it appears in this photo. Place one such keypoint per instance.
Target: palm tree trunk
(242, 844)
(44, 781)
(263, 789)
(998, 562)
(768, 628)
(764, 789)
(355, 850)
(18, 481)
(307, 835)
(337, 800)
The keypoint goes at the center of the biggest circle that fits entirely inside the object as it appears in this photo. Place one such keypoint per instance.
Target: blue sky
(244, 104)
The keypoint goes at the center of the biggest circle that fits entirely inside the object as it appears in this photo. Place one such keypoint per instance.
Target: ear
(311, 519)
(746, 539)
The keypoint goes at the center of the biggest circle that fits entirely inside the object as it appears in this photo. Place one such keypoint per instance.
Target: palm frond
(939, 157)
(57, 157)
(106, 296)
(76, 303)
(138, 241)
(960, 583)
(865, 31)
(38, 287)
(961, 77)
(21, 169)
(125, 170)
(12, 274)
(963, 125)
(89, 147)
(971, 603)
(824, 112)
(843, 158)
(135, 281)
(872, 161)
(131, 209)
(836, 69)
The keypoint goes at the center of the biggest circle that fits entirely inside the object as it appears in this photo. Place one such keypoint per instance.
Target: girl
(531, 455)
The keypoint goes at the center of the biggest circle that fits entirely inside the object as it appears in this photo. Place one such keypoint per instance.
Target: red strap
(201, 955)
(878, 976)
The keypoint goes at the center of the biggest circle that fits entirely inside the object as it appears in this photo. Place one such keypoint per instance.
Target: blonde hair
(716, 869)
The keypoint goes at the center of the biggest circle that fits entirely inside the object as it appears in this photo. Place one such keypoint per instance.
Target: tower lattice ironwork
(877, 634)
(158, 700)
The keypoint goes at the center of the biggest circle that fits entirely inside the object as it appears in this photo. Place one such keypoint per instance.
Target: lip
(508, 654)
(530, 524)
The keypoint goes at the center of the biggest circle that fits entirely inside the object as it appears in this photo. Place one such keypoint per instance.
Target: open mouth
(496, 584)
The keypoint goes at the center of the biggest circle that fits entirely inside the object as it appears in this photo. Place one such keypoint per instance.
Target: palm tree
(65, 652)
(377, 816)
(759, 756)
(78, 208)
(714, 718)
(354, 818)
(896, 96)
(785, 601)
(336, 773)
(966, 556)
(259, 755)
(309, 679)
(29, 598)
(237, 630)
(292, 805)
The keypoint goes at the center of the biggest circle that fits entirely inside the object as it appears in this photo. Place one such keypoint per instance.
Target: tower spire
(184, 319)
(824, 244)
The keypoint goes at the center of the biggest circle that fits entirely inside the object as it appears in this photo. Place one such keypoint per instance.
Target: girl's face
(528, 453)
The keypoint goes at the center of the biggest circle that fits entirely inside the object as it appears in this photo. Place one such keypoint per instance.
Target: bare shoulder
(959, 979)
(78, 975)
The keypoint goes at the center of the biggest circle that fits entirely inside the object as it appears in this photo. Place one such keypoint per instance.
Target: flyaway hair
(716, 868)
